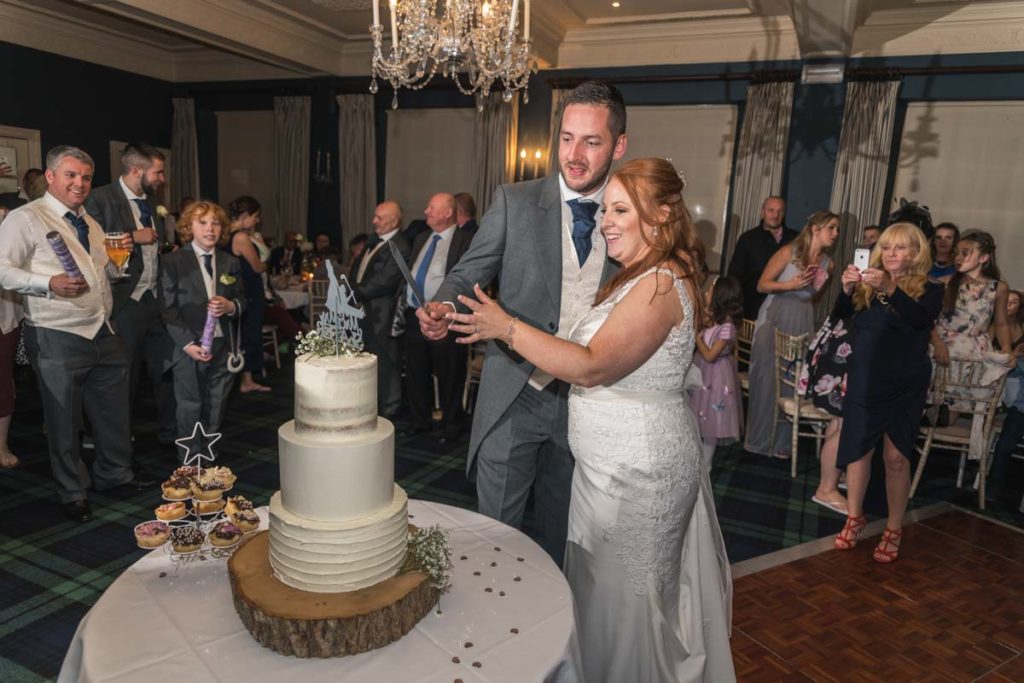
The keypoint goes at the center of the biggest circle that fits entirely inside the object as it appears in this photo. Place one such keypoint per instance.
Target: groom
(540, 236)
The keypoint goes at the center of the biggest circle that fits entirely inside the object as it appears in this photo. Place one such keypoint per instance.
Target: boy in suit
(195, 280)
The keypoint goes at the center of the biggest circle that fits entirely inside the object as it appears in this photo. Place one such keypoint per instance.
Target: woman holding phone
(792, 278)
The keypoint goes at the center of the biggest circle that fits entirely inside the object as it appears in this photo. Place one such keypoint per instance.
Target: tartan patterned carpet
(52, 570)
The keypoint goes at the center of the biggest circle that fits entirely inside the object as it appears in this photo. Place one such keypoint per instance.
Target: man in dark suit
(415, 228)
(465, 212)
(128, 206)
(755, 248)
(287, 254)
(196, 280)
(541, 238)
(434, 254)
(376, 280)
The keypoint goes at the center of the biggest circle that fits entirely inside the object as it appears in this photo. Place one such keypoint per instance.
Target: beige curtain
(184, 151)
(557, 97)
(357, 156)
(291, 165)
(761, 156)
(496, 129)
(862, 165)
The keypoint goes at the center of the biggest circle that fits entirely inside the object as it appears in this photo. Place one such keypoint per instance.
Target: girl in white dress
(645, 557)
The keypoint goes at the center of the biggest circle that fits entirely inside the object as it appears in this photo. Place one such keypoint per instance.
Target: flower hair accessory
(681, 175)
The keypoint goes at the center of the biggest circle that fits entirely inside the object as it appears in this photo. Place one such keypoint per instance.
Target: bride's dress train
(645, 557)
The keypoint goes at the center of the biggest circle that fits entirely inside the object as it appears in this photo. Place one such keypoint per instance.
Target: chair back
(317, 299)
(961, 382)
(744, 342)
(789, 355)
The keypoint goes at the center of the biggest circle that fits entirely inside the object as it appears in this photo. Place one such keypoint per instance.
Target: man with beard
(539, 236)
(128, 206)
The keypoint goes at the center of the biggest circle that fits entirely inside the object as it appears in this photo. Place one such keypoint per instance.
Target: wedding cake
(339, 522)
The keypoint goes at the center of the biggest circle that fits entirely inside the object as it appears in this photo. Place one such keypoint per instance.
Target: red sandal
(848, 537)
(888, 549)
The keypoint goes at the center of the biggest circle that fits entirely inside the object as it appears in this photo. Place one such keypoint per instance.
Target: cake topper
(337, 330)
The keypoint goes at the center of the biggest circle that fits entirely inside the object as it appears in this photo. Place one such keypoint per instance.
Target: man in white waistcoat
(540, 236)
(79, 362)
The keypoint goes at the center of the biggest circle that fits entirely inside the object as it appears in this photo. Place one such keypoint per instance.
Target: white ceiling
(192, 40)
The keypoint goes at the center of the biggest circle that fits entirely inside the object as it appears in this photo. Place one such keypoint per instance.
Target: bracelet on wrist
(508, 338)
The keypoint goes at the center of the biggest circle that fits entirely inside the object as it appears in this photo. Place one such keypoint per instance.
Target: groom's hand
(432, 321)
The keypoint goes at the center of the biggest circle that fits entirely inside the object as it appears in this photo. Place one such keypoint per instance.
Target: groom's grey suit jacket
(519, 239)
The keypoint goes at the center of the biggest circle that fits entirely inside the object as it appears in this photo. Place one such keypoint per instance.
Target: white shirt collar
(388, 235)
(128, 191)
(58, 206)
(569, 194)
(447, 233)
(199, 250)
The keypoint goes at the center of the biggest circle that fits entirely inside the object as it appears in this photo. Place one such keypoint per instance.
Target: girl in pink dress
(716, 403)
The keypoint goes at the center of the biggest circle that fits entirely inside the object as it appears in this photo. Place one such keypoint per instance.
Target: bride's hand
(487, 320)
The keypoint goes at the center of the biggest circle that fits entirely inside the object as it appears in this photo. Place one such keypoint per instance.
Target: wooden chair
(961, 382)
(474, 368)
(270, 344)
(317, 299)
(744, 344)
(790, 404)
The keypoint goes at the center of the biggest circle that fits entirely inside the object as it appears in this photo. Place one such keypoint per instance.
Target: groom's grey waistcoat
(519, 239)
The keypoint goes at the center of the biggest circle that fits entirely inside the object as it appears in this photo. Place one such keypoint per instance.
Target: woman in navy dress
(893, 308)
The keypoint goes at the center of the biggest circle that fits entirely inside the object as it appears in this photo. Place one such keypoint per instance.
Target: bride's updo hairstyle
(652, 184)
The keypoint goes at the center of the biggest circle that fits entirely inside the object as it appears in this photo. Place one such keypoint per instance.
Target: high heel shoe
(888, 549)
(848, 537)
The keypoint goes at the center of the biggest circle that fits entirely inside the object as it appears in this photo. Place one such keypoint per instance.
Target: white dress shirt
(364, 264)
(150, 252)
(435, 271)
(209, 280)
(27, 262)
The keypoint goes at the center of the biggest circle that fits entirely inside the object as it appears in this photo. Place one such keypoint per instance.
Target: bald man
(376, 280)
(755, 248)
(434, 253)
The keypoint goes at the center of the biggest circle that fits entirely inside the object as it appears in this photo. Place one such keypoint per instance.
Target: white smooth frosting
(335, 396)
(335, 482)
(335, 557)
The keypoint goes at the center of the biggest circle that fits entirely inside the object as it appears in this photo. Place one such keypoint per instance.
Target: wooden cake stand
(303, 624)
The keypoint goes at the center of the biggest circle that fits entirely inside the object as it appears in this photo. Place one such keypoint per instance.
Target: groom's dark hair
(601, 94)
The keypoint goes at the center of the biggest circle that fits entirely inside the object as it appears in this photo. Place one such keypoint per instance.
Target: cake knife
(413, 287)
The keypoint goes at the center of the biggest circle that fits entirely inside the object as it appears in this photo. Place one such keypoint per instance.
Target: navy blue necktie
(421, 272)
(208, 263)
(81, 227)
(582, 226)
(145, 213)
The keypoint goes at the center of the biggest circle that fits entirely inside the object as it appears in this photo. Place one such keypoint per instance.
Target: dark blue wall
(77, 103)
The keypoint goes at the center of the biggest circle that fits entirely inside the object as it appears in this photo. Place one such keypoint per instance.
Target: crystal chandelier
(472, 42)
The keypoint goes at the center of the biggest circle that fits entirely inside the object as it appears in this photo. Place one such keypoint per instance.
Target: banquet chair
(317, 299)
(744, 343)
(953, 383)
(270, 344)
(474, 368)
(790, 403)
(1018, 454)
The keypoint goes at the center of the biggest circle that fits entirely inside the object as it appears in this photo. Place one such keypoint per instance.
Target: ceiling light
(615, 4)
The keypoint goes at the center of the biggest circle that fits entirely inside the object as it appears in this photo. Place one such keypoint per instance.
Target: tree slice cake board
(303, 624)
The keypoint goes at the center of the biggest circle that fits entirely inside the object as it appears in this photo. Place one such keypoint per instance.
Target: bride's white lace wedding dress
(645, 557)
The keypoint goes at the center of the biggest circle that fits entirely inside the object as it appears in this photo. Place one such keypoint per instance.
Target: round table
(164, 622)
(294, 297)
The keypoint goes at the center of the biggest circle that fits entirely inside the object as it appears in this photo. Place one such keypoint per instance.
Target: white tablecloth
(156, 625)
(297, 297)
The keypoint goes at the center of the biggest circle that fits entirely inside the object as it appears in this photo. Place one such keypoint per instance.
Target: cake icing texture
(335, 396)
(339, 522)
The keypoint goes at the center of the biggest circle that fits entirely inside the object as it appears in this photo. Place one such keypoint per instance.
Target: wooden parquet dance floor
(951, 609)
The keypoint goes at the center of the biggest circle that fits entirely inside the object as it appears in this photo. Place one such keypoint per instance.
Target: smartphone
(861, 259)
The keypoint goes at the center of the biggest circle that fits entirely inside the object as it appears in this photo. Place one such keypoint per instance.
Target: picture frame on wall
(20, 150)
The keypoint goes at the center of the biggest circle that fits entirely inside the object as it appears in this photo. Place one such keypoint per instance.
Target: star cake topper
(199, 446)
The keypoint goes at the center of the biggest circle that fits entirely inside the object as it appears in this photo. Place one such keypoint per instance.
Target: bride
(644, 557)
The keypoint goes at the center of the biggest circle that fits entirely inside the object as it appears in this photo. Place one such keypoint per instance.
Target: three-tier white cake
(339, 522)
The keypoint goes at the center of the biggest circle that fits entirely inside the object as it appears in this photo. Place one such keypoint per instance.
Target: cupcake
(186, 539)
(236, 504)
(177, 488)
(247, 520)
(225, 534)
(223, 473)
(152, 534)
(210, 489)
(186, 472)
(171, 511)
(209, 507)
